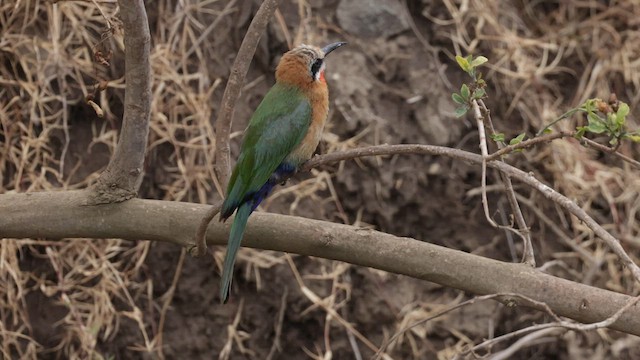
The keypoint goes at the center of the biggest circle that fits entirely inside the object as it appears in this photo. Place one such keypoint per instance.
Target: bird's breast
(319, 99)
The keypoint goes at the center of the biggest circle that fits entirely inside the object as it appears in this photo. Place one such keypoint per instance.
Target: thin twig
(556, 229)
(322, 303)
(528, 256)
(562, 134)
(225, 11)
(275, 347)
(509, 170)
(168, 297)
(508, 298)
(485, 153)
(480, 119)
(611, 151)
(121, 178)
(525, 341)
(527, 144)
(557, 324)
(234, 85)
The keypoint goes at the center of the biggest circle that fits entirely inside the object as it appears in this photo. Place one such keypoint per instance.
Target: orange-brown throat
(292, 70)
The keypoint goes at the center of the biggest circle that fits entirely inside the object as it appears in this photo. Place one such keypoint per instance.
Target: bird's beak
(329, 48)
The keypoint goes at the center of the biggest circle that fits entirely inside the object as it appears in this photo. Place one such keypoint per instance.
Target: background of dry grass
(113, 298)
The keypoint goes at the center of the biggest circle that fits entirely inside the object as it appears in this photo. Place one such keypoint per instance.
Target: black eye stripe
(315, 67)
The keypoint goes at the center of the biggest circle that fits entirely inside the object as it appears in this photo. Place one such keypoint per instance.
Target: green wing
(276, 128)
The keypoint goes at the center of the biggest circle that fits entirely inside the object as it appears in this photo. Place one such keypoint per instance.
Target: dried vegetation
(61, 91)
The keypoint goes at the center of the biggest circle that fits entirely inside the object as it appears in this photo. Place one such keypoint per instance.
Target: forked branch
(121, 178)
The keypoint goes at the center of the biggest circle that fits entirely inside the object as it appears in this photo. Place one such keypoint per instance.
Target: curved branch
(200, 248)
(57, 215)
(121, 178)
(234, 85)
(505, 168)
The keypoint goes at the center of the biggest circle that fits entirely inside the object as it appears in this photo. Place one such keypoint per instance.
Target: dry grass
(53, 57)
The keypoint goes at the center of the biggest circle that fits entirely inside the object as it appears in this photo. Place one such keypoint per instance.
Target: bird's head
(304, 65)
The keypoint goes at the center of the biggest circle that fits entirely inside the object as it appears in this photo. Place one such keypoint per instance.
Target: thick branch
(57, 215)
(234, 85)
(121, 179)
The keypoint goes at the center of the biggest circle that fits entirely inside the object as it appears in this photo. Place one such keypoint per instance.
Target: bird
(283, 133)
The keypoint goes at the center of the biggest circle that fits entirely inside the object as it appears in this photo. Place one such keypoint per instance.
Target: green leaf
(497, 137)
(580, 132)
(458, 99)
(591, 105)
(596, 125)
(518, 139)
(464, 92)
(461, 111)
(593, 117)
(596, 128)
(613, 141)
(478, 61)
(621, 114)
(634, 138)
(547, 131)
(479, 93)
(613, 122)
(463, 63)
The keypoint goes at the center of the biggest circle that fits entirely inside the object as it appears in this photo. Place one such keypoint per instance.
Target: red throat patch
(322, 76)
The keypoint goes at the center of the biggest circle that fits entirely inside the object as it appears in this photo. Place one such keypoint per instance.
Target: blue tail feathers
(247, 206)
(235, 238)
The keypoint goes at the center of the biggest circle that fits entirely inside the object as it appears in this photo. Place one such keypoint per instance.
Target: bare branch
(485, 153)
(523, 230)
(57, 215)
(234, 85)
(525, 341)
(507, 298)
(631, 302)
(121, 178)
(223, 122)
(507, 169)
(611, 151)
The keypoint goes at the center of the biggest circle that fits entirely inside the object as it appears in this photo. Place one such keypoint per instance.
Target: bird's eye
(315, 68)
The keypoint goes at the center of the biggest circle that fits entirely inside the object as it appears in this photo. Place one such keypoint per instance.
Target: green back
(276, 128)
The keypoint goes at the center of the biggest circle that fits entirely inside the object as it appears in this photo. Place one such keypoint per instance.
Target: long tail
(235, 238)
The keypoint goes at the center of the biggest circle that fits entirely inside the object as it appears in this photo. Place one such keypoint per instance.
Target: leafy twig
(527, 144)
(471, 96)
